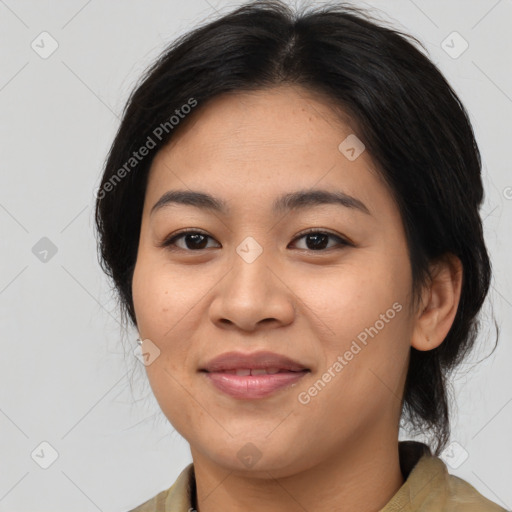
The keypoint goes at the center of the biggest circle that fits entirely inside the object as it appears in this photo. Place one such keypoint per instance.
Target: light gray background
(68, 374)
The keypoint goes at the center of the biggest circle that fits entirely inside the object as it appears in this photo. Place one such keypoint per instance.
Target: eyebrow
(300, 199)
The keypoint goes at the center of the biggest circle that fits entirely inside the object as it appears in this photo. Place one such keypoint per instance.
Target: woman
(290, 214)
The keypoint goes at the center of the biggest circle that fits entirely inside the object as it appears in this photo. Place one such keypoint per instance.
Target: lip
(256, 360)
(253, 386)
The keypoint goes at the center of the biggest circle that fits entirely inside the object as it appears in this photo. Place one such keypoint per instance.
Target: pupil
(316, 245)
(195, 237)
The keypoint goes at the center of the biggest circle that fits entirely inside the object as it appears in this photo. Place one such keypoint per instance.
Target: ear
(440, 299)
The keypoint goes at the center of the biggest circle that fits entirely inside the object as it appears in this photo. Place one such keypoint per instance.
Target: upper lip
(238, 360)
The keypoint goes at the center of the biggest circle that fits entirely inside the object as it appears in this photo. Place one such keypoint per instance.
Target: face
(248, 279)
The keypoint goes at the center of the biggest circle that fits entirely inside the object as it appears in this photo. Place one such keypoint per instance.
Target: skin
(194, 304)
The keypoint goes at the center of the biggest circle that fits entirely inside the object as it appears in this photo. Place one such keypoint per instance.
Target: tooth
(244, 372)
(259, 371)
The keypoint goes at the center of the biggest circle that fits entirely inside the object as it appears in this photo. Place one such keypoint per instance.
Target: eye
(316, 240)
(195, 240)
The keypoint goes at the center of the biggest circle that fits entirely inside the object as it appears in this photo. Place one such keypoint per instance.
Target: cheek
(148, 297)
(361, 315)
(161, 303)
(346, 299)
(169, 308)
(161, 297)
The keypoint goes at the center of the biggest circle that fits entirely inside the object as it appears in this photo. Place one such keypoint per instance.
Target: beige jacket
(428, 488)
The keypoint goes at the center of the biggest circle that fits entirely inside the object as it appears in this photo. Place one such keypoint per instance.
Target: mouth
(252, 376)
(244, 372)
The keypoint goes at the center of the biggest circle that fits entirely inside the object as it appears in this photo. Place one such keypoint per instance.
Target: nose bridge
(250, 250)
(252, 271)
(252, 290)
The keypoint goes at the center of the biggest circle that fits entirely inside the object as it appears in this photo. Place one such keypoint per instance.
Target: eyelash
(170, 241)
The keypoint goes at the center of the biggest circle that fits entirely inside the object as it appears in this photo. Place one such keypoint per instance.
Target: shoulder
(463, 496)
(154, 504)
(176, 498)
(433, 488)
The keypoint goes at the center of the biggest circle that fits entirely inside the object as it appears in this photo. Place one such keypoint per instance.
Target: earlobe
(440, 301)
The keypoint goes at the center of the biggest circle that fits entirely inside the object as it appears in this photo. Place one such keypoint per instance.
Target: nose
(251, 295)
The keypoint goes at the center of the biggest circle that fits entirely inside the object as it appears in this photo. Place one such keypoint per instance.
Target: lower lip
(252, 386)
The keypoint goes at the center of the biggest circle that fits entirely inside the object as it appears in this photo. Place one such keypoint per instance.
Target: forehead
(260, 123)
(262, 144)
